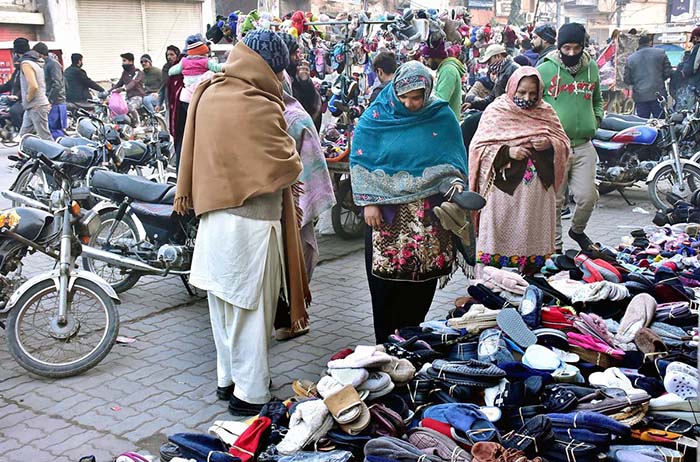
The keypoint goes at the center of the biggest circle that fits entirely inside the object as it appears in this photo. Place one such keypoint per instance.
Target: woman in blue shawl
(405, 145)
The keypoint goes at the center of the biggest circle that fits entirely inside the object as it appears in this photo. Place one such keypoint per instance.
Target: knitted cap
(695, 33)
(270, 47)
(146, 57)
(20, 45)
(41, 48)
(290, 41)
(437, 52)
(546, 32)
(572, 32)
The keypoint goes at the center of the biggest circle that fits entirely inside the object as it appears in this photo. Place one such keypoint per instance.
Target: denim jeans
(648, 109)
(150, 102)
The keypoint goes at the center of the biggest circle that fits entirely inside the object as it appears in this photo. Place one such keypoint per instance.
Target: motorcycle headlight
(89, 223)
(56, 199)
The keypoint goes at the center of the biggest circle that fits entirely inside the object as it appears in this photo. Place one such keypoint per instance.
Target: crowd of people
(448, 176)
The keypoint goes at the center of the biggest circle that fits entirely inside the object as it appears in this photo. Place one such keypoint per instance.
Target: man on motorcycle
(20, 46)
(131, 81)
(55, 91)
(646, 71)
(572, 87)
(78, 84)
(34, 100)
(152, 81)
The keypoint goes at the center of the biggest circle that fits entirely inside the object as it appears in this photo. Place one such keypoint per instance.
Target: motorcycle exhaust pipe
(120, 261)
(13, 196)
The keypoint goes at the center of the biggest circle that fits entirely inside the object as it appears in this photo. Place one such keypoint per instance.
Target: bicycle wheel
(43, 346)
(345, 215)
(124, 237)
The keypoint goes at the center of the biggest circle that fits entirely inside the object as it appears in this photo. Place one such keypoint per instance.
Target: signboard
(503, 8)
(6, 67)
(681, 10)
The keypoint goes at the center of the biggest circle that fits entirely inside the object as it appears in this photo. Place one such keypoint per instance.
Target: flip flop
(510, 322)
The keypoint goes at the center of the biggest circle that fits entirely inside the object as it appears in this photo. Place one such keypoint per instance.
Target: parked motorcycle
(139, 236)
(632, 149)
(62, 322)
(8, 131)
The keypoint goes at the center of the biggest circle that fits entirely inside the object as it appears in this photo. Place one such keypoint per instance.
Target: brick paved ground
(164, 382)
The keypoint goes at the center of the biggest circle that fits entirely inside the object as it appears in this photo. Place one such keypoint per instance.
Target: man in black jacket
(55, 91)
(19, 47)
(501, 67)
(78, 84)
(646, 71)
(303, 88)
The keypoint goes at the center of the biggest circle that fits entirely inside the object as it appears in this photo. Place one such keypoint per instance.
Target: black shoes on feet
(583, 240)
(225, 393)
(239, 407)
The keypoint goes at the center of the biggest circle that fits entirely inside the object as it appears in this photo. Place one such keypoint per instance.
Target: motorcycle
(139, 236)
(632, 149)
(62, 322)
(8, 131)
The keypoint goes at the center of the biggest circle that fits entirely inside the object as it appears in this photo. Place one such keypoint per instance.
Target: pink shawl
(504, 123)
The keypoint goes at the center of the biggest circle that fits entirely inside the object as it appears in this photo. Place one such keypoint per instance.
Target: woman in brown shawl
(237, 170)
(517, 161)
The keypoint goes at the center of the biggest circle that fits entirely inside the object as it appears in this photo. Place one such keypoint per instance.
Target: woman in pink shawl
(517, 160)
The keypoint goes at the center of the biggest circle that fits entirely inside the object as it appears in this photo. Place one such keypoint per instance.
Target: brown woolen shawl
(236, 147)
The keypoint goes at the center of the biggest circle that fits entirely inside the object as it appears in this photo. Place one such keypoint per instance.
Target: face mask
(570, 61)
(523, 103)
(127, 67)
(495, 68)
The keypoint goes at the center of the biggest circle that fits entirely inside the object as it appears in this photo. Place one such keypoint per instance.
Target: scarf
(399, 156)
(503, 123)
(318, 193)
(248, 153)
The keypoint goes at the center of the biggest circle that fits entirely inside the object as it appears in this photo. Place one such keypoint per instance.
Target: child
(195, 67)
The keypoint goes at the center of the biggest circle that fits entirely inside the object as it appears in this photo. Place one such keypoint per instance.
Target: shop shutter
(169, 23)
(108, 29)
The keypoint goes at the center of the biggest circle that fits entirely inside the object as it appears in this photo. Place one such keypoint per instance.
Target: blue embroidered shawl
(398, 156)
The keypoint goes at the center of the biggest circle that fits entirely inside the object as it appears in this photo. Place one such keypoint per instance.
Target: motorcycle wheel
(665, 179)
(126, 233)
(44, 348)
(346, 217)
(33, 185)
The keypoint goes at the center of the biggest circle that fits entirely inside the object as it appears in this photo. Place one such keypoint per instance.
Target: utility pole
(558, 13)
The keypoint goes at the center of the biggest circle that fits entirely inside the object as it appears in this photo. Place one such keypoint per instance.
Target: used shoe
(466, 199)
(566, 213)
(239, 407)
(225, 393)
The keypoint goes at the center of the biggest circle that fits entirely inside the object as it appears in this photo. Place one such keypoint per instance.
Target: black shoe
(241, 408)
(567, 213)
(582, 240)
(225, 393)
(467, 200)
(169, 451)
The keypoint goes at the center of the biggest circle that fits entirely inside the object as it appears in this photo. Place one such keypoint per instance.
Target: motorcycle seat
(618, 124)
(604, 135)
(71, 141)
(33, 146)
(140, 189)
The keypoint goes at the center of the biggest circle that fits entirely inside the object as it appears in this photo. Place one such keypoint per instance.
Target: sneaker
(238, 407)
(582, 240)
(566, 214)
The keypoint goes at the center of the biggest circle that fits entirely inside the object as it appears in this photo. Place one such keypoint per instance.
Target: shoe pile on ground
(593, 358)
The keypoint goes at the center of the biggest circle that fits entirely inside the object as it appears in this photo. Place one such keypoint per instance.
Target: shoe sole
(510, 321)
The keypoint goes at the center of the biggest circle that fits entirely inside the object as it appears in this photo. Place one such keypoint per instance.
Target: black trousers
(180, 131)
(396, 304)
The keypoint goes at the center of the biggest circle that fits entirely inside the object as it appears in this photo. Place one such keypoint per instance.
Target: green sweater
(449, 84)
(576, 100)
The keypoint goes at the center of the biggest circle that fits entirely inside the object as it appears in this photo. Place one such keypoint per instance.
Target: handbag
(117, 104)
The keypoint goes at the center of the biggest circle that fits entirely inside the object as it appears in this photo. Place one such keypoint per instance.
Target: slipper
(649, 343)
(566, 373)
(640, 313)
(454, 219)
(552, 338)
(596, 270)
(531, 306)
(374, 395)
(510, 321)
(566, 356)
(354, 377)
(677, 366)
(364, 356)
(507, 280)
(308, 422)
(344, 405)
(305, 389)
(683, 385)
(400, 370)
(328, 386)
(492, 348)
(375, 381)
(596, 325)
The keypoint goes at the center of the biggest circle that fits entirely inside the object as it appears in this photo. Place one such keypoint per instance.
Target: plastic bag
(117, 104)
(331, 456)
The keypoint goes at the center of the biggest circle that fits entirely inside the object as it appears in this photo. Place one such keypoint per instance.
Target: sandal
(305, 389)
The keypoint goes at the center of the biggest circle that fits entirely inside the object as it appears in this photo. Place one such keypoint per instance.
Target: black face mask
(570, 61)
(127, 67)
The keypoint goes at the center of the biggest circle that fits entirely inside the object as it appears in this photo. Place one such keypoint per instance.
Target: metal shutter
(108, 29)
(169, 23)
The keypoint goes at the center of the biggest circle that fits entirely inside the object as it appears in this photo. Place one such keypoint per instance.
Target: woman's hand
(541, 143)
(519, 153)
(373, 216)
